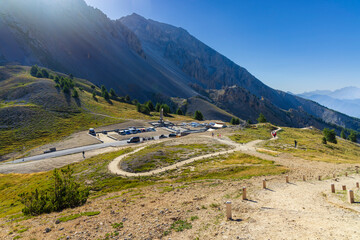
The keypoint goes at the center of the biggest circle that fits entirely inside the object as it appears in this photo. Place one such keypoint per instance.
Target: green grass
(181, 225)
(254, 132)
(160, 155)
(117, 225)
(75, 216)
(310, 146)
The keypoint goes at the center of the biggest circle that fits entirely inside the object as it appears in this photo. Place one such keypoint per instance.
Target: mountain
(345, 100)
(177, 49)
(71, 37)
(141, 57)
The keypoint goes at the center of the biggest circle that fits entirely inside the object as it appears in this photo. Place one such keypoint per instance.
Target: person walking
(83, 154)
(295, 142)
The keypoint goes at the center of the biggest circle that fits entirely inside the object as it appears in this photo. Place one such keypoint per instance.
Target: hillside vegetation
(310, 146)
(34, 111)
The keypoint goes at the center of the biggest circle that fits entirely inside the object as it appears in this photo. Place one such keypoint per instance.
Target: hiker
(274, 134)
(295, 143)
(212, 134)
(83, 154)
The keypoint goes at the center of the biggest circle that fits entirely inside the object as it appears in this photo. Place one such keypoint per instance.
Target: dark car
(172, 135)
(162, 136)
(133, 140)
(92, 132)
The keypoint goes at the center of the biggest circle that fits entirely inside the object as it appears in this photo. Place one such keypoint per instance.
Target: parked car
(122, 133)
(92, 132)
(127, 132)
(162, 136)
(133, 140)
(172, 135)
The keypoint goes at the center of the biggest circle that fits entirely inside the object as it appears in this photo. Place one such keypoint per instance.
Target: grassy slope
(310, 146)
(94, 172)
(254, 132)
(159, 155)
(49, 115)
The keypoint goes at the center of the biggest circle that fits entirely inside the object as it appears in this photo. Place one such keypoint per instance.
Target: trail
(298, 167)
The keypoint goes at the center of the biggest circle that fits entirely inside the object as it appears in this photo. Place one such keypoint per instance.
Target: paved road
(64, 152)
(70, 151)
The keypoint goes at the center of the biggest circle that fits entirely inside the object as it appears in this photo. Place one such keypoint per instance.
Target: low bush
(64, 193)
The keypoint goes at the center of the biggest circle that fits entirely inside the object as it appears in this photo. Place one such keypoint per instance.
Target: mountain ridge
(133, 55)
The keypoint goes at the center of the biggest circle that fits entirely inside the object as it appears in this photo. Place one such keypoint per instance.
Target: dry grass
(254, 132)
(310, 146)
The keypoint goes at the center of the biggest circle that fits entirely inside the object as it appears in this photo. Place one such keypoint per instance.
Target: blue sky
(289, 45)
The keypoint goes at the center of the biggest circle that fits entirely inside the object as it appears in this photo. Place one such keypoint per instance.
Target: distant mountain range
(147, 60)
(345, 100)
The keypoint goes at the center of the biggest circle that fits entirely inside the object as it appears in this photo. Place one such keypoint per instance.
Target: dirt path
(298, 167)
(114, 166)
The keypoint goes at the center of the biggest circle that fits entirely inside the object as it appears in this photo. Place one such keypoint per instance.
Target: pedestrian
(83, 154)
(212, 134)
(275, 134)
(295, 143)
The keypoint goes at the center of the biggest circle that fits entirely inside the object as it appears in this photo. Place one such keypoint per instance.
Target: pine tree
(330, 135)
(342, 134)
(198, 116)
(353, 136)
(75, 93)
(261, 118)
(113, 93)
(179, 112)
(157, 107)
(150, 105)
(34, 70)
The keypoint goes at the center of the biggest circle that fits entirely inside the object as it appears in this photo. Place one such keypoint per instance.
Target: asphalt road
(71, 151)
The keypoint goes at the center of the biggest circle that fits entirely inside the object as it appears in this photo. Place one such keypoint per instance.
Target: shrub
(66, 89)
(324, 140)
(330, 135)
(93, 87)
(64, 193)
(198, 116)
(261, 118)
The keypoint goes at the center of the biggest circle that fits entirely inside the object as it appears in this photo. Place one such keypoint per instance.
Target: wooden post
(345, 174)
(333, 188)
(264, 183)
(344, 187)
(357, 185)
(228, 210)
(319, 178)
(351, 196)
(304, 179)
(334, 175)
(287, 179)
(357, 170)
(244, 193)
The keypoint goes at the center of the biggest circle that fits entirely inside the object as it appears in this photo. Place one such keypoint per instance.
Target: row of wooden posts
(244, 197)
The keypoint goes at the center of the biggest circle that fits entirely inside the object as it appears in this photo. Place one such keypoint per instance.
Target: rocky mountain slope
(136, 56)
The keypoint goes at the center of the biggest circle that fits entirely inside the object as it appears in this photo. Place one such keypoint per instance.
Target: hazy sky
(289, 45)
